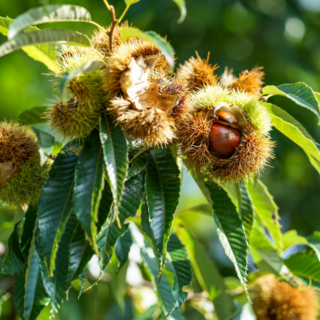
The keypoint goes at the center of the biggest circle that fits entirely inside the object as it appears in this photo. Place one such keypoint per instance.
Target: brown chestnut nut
(227, 116)
(223, 140)
(227, 124)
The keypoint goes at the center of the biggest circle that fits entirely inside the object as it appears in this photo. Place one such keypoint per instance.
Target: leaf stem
(123, 13)
(107, 5)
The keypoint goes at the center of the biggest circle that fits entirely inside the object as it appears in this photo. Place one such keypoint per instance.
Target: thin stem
(97, 25)
(123, 13)
(113, 24)
(107, 5)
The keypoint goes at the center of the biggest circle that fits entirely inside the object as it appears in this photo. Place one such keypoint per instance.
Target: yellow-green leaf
(152, 37)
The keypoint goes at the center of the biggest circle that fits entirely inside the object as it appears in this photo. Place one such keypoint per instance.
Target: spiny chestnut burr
(224, 136)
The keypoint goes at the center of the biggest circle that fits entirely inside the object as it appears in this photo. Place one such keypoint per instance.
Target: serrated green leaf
(4, 25)
(44, 53)
(62, 36)
(29, 293)
(145, 221)
(82, 277)
(179, 264)
(80, 250)
(162, 189)
(246, 209)
(47, 14)
(32, 116)
(152, 37)
(57, 286)
(292, 129)
(206, 272)
(14, 261)
(45, 139)
(131, 200)
(313, 241)
(118, 283)
(305, 266)
(88, 186)
(164, 289)
(57, 146)
(88, 67)
(265, 255)
(298, 92)
(267, 211)
(148, 314)
(56, 204)
(123, 247)
(291, 238)
(138, 164)
(230, 230)
(115, 153)
(199, 180)
(183, 9)
(28, 227)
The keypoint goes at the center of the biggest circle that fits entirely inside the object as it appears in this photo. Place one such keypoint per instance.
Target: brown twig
(113, 24)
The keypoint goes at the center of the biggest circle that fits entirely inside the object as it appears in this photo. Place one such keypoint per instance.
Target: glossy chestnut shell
(224, 136)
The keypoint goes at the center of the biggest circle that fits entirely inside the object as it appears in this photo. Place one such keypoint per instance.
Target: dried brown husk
(142, 94)
(119, 62)
(197, 73)
(248, 81)
(17, 143)
(152, 120)
(279, 301)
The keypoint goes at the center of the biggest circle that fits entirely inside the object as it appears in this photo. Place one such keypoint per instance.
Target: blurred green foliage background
(281, 35)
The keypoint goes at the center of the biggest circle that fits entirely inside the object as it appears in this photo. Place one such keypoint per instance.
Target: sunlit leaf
(115, 153)
(298, 92)
(306, 266)
(63, 36)
(130, 2)
(152, 37)
(183, 9)
(164, 289)
(56, 204)
(265, 255)
(4, 25)
(230, 230)
(206, 272)
(46, 14)
(44, 53)
(267, 211)
(313, 241)
(291, 128)
(33, 116)
(179, 264)
(118, 283)
(88, 185)
(162, 196)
